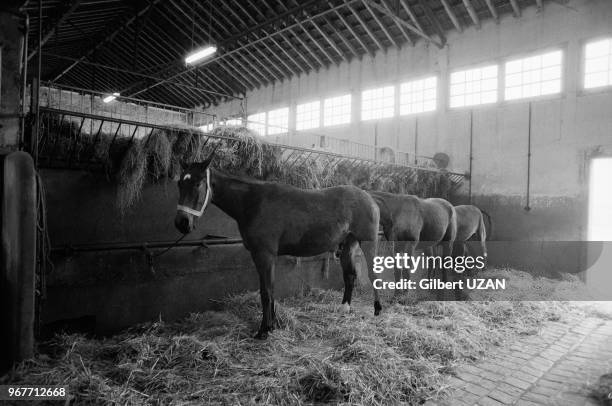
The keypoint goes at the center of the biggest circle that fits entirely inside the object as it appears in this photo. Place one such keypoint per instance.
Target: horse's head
(195, 194)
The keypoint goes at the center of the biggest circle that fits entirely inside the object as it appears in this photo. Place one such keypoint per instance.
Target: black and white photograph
(315, 202)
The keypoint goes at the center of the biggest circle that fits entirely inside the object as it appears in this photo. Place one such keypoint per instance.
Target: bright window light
(110, 97)
(206, 127)
(278, 121)
(233, 121)
(308, 115)
(418, 96)
(200, 54)
(473, 86)
(533, 76)
(598, 64)
(257, 123)
(600, 200)
(337, 110)
(378, 103)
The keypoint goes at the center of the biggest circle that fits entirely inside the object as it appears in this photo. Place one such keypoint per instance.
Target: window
(308, 115)
(598, 64)
(337, 110)
(378, 103)
(474, 86)
(278, 121)
(233, 121)
(206, 127)
(533, 76)
(257, 123)
(418, 96)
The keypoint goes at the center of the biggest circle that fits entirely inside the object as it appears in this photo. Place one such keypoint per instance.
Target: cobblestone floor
(551, 368)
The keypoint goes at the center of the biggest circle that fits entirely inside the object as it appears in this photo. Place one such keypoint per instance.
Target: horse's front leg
(403, 272)
(265, 263)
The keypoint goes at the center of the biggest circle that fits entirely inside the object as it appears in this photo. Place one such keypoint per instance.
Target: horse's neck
(229, 194)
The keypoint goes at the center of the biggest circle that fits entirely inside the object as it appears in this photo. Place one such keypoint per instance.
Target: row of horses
(277, 219)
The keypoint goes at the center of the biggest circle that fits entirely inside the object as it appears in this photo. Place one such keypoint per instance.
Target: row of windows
(528, 77)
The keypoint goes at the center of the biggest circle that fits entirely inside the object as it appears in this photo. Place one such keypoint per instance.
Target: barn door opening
(599, 274)
(600, 200)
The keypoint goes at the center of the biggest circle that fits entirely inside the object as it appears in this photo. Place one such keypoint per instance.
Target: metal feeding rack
(73, 121)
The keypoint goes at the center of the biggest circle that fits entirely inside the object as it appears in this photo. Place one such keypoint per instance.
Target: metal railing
(73, 122)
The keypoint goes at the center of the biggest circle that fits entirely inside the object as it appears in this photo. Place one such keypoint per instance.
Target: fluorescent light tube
(110, 97)
(200, 54)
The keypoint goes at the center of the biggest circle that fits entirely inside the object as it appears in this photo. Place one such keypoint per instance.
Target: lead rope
(151, 256)
(174, 244)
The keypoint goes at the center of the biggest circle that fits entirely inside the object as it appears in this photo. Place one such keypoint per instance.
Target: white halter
(193, 212)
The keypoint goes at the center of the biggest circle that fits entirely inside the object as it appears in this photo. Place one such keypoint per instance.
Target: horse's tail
(490, 219)
(482, 231)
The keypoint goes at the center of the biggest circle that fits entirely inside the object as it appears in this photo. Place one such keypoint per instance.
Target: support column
(11, 48)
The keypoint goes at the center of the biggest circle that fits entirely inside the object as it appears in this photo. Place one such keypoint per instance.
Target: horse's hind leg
(265, 264)
(347, 260)
(369, 252)
(403, 247)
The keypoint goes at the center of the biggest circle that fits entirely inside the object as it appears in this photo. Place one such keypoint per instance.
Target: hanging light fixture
(110, 97)
(200, 54)
(207, 50)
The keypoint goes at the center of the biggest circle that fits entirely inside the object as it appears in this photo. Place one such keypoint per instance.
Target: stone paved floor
(551, 368)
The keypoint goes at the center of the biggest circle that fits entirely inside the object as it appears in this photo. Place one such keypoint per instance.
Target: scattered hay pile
(240, 151)
(316, 355)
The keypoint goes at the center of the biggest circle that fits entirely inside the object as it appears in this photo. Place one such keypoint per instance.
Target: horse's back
(310, 222)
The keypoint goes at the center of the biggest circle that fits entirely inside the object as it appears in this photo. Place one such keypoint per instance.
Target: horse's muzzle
(183, 222)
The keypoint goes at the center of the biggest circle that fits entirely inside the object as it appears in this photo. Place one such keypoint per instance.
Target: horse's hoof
(377, 308)
(261, 335)
(346, 308)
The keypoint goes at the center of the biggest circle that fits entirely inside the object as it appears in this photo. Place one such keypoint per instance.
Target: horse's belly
(311, 242)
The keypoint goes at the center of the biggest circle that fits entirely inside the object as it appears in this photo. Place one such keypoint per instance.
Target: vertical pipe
(1, 49)
(38, 73)
(416, 139)
(471, 152)
(527, 207)
(24, 80)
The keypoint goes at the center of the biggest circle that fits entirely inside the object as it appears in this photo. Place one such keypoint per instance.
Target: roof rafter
(472, 12)
(451, 14)
(64, 14)
(404, 23)
(492, 10)
(108, 38)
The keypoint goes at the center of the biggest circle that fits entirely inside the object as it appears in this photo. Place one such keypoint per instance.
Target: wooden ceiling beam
(516, 9)
(340, 35)
(472, 12)
(297, 51)
(401, 21)
(352, 31)
(382, 26)
(492, 10)
(435, 23)
(327, 38)
(401, 27)
(451, 14)
(365, 26)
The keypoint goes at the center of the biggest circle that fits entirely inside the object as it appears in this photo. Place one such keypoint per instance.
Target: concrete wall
(566, 129)
(107, 289)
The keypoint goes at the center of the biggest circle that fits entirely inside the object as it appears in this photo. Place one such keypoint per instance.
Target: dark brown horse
(470, 222)
(413, 222)
(276, 219)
